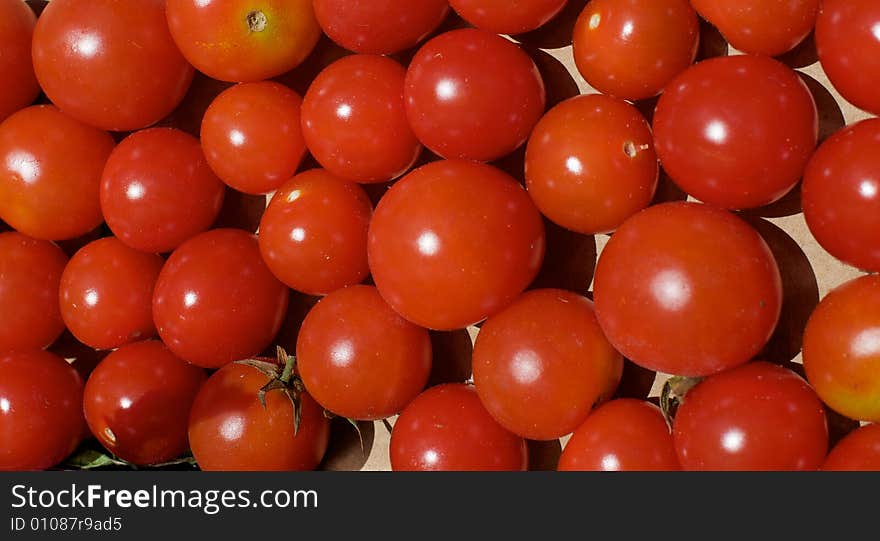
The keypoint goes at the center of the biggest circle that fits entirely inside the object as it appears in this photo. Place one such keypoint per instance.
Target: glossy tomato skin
(354, 120)
(41, 421)
(137, 402)
(542, 363)
(849, 49)
(758, 416)
(473, 95)
(30, 271)
(215, 300)
(229, 430)
(632, 48)
(590, 163)
(736, 131)
(430, 262)
(110, 64)
(446, 428)
(507, 17)
(243, 40)
(767, 27)
(50, 170)
(157, 190)
(16, 30)
(106, 294)
(842, 349)
(857, 451)
(621, 435)
(251, 136)
(313, 234)
(687, 289)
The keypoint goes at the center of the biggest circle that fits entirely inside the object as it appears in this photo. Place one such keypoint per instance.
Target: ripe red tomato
(473, 95)
(453, 242)
(243, 40)
(841, 195)
(631, 49)
(157, 190)
(379, 26)
(354, 120)
(41, 419)
(446, 428)
(137, 401)
(30, 271)
(848, 43)
(229, 429)
(590, 163)
(767, 27)
(50, 191)
(858, 451)
(621, 435)
(16, 30)
(251, 136)
(215, 300)
(736, 131)
(313, 234)
(758, 416)
(842, 349)
(506, 16)
(542, 363)
(110, 64)
(687, 289)
(106, 294)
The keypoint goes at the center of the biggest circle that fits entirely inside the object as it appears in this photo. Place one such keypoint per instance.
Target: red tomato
(542, 363)
(251, 136)
(41, 419)
(453, 242)
(16, 29)
(243, 40)
(758, 416)
(446, 428)
(736, 131)
(30, 271)
(842, 349)
(137, 401)
(110, 64)
(106, 294)
(621, 435)
(473, 95)
(506, 16)
(379, 26)
(313, 235)
(215, 300)
(354, 120)
(632, 48)
(158, 191)
(590, 163)
(50, 170)
(768, 27)
(687, 289)
(858, 451)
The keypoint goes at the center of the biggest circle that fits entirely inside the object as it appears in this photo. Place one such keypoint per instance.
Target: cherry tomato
(243, 40)
(354, 120)
(632, 48)
(446, 428)
(16, 31)
(590, 163)
(453, 242)
(110, 64)
(137, 401)
(506, 16)
(758, 416)
(621, 435)
(41, 419)
(473, 95)
(30, 271)
(50, 170)
(736, 131)
(157, 190)
(687, 289)
(313, 235)
(542, 363)
(858, 451)
(215, 300)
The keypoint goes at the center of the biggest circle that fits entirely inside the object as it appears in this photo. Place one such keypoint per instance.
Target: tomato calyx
(353, 422)
(282, 378)
(673, 394)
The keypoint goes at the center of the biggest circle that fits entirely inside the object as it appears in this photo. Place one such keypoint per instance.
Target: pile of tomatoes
(225, 223)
